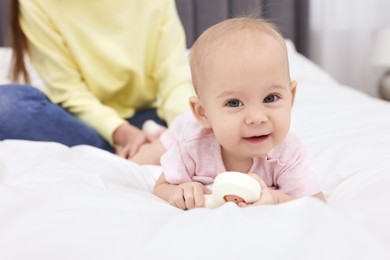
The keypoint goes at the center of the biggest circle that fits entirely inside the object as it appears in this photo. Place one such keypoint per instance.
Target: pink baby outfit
(194, 154)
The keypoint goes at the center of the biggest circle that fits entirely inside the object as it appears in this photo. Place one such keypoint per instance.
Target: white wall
(340, 39)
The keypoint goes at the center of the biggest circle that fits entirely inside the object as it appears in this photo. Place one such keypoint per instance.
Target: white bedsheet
(83, 203)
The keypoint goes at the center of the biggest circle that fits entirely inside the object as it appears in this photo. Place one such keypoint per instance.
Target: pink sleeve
(167, 138)
(179, 124)
(292, 170)
(297, 177)
(177, 165)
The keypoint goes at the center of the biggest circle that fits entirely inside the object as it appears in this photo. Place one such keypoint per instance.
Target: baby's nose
(256, 116)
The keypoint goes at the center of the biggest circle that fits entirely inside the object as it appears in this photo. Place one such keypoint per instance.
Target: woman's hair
(18, 45)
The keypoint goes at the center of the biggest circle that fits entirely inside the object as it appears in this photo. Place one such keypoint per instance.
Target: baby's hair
(232, 32)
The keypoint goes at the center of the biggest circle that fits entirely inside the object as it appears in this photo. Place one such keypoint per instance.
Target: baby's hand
(188, 195)
(268, 196)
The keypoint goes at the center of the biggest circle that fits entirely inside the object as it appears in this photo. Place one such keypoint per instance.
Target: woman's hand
(128, 139)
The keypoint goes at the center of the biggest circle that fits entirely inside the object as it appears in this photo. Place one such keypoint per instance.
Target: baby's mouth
(257, 138)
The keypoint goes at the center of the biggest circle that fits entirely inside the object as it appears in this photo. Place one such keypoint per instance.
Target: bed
(59, 203)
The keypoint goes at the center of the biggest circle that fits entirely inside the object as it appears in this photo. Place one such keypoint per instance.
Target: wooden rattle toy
(235, 187)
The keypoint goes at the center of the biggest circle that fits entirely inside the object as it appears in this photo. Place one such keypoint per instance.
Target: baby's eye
(270, 98)
(234, 103)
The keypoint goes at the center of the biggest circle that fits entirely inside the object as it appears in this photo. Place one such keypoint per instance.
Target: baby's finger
(199, 196)
(207, 190)
(177, 199)
(242, 204)
(189, 198)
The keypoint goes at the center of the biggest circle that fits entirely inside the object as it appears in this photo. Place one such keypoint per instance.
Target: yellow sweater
(105, 59)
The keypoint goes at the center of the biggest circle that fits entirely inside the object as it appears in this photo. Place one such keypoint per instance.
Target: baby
(240, 119)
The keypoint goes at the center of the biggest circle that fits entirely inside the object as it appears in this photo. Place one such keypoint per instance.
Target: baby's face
(247, 96)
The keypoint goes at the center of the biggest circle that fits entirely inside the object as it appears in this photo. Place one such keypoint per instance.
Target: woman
(107, 66)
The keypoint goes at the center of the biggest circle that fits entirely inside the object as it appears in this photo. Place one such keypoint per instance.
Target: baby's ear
(199, 112)
(293, 87)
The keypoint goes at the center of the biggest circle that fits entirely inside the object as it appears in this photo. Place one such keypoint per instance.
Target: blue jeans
(27, 114)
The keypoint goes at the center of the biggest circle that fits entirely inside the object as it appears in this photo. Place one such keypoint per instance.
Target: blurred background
(350, 39)
(341, 40)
